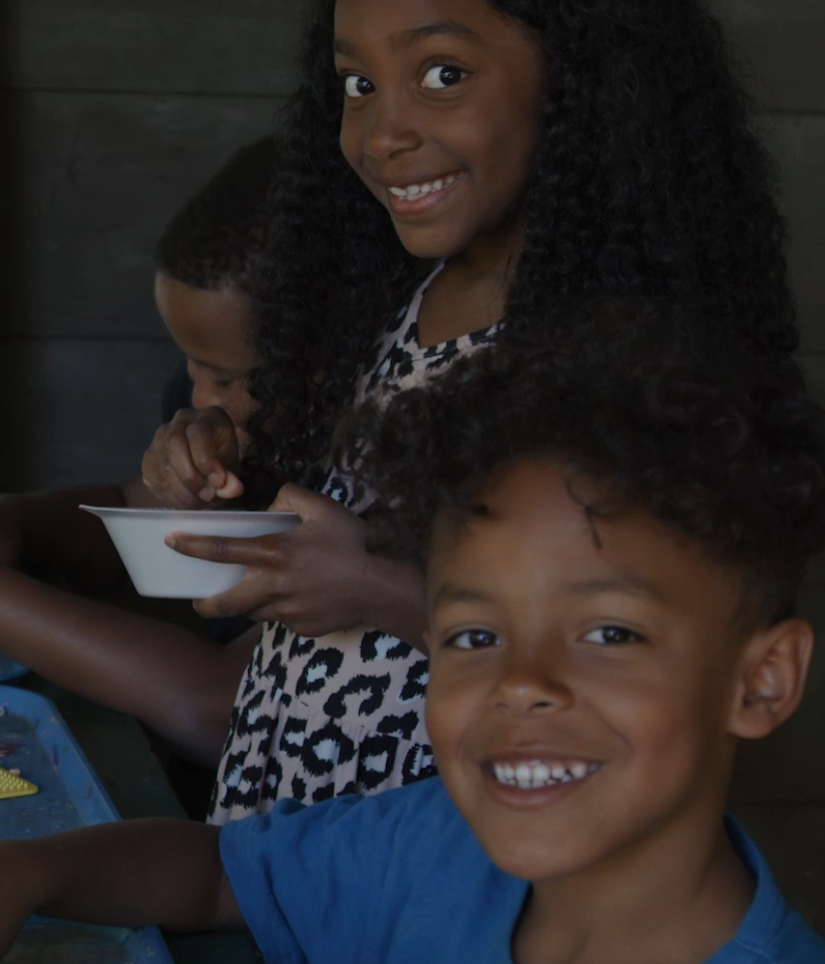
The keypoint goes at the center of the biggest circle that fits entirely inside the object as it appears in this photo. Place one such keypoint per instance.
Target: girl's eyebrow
(441, 28)
(406, 38)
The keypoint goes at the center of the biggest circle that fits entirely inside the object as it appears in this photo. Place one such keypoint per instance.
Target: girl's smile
(441, 114)
(421, 196)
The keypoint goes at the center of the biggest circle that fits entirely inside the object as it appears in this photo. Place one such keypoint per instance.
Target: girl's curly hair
(680, 425)
(648, 182)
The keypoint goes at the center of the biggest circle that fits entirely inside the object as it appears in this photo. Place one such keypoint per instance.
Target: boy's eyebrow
(632, 585)
(215, 369)
(406, 38)
(450, 593)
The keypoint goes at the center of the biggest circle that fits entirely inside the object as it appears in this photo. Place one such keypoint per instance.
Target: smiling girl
(531, 150)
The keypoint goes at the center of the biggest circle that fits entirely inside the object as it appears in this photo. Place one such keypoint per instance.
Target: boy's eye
(473, 639)
(358, 86)
(612, 636)
(437, 78)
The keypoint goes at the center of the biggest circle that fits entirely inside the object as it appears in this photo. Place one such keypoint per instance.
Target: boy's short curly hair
(677, 423)
(220, 236)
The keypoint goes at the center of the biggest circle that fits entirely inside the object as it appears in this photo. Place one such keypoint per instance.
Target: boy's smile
(441, 107)
(583, 674)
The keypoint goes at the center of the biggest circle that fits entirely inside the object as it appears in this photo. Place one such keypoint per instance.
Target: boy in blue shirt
(615, 523)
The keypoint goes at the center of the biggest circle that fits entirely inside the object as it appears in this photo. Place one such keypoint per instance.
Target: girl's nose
(390, 130)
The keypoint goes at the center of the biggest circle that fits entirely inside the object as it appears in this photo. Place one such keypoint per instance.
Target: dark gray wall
(111, 113)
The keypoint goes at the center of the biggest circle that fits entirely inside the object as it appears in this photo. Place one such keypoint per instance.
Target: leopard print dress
(317, 718)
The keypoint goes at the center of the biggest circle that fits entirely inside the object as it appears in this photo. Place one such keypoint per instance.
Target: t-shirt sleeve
(303, 876)
(394, 877)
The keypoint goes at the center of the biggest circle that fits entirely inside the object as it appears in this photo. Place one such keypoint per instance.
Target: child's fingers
(260, 551)
(213, 445)
(168, 470)
(233, 488)
(294, 498)
(204, 456)
(244, 599)
(181, 471)
(161, 480)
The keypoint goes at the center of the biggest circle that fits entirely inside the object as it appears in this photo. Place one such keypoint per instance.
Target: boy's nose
(529, 684)
(390, 130)
(203, 398)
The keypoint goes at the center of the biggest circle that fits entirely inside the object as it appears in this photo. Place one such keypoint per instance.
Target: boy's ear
(774, 667)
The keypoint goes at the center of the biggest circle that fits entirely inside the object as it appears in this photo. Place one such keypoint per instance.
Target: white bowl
(157, 570)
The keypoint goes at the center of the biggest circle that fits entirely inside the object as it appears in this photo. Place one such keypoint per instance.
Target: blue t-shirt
(399, 878)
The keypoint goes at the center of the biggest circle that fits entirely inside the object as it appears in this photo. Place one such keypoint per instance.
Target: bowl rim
(236, 514)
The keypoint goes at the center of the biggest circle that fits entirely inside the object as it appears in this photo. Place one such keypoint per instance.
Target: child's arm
(179, 684)
(128, 874)
(46, 529)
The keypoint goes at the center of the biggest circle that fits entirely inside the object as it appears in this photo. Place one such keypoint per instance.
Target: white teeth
(533, 776)
(541, 775)
(421, 190)
(524, 776)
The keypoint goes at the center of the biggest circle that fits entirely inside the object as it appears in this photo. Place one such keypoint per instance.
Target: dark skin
(47, 529)
(433, 90)
(194, 462)
(319, 578)
(179, 683)
(544, 650)
(440, 89)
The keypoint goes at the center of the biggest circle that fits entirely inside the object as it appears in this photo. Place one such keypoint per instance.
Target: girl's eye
(357, 86)
(473, 639)
(437, 78)
(612, 636)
